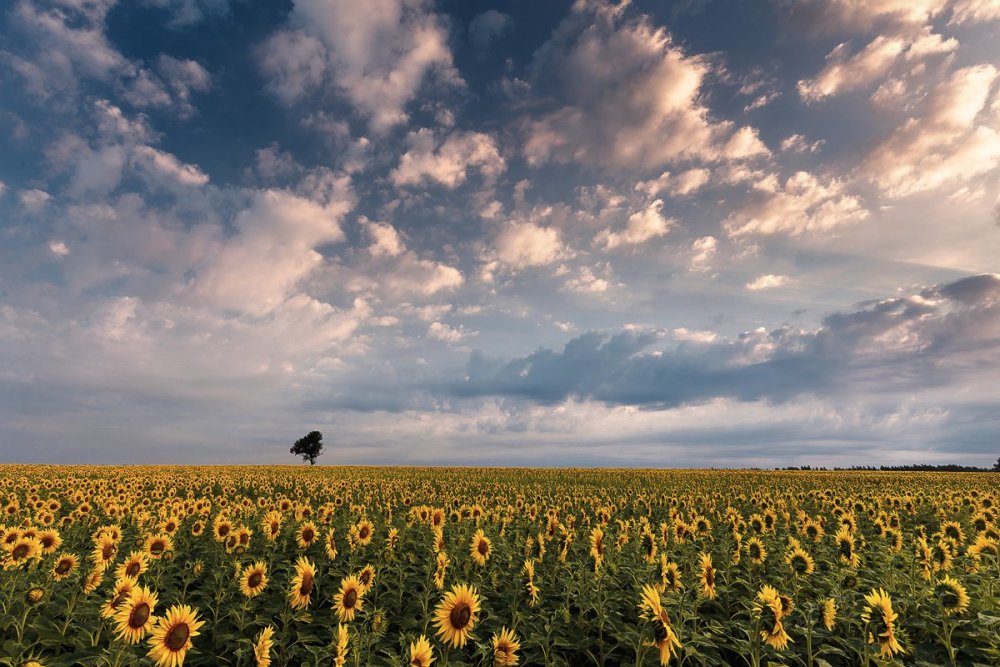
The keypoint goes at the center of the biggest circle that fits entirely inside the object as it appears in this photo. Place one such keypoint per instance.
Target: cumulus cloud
(643, 225)
(524, 244)
(804, 203)
(377, 54)
(631, 97)
(974, 11)
(703, 251)
(443, 332)
(767, 281)
(447, 162)
(953, 138)
(897, 344)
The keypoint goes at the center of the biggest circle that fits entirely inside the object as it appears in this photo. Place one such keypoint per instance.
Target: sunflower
(50, 541)
(65, 565)
(670, 576)
(665, 639)
(479, 547)
(133, 566)
(271, 525)
(800, 561)
(440, 569)
(366, 577)
(924, 558)
(439, 543)
(505, 648)
(456, 615)
(262, 647)
(171, 638)
(648, 543)
(707, 573)
(22, 550)
(880, 619)
(156, 546)
(392, 539)
(302, 583)
(221, 528)
(330, 545)
(756, 551)
(769, 609)
(941, 556)
(529, 572)
(306, 535)
(92, 581)
(597, 547)
(253, 579)
(119, 594)
(845, 548)
(135, 617)
(340, 658)
(349, 599)
(421, 654)
(829, 613)
(953, 596)
(953, 530)
(363, 532)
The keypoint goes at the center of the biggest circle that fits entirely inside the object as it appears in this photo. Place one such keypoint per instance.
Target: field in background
(390, 566)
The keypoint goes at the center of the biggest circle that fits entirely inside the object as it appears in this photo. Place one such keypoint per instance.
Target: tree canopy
(309, 447)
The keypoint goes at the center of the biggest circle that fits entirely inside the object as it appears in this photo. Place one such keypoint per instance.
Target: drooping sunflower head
(800, 561)
(829, 613)
(505, 647)
(349, 599)
(253, 579)
(756, 551)
(367, 578)
(262, 647)
(171, 638)
(672, 578)
(456, 615)
(119, 595)
(300, 592)
(421, 653)
(952, 595)
(707, 575)
(880, 619)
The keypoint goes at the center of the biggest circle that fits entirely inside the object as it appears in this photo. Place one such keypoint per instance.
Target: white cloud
(948, 142)
(803, 203)
(34, 200)
(768, 281)
(797, 143)
(845, 71)
(860, 15)
(643, 225)
(633, 98)
(703, 253)
(975, 11)
(443, 332)
(378, 54)
(58, 248)
(683, 335)
(385, 239)
(524, 244)
(449, 161)
(165, 165)
(273, 251)
(586, 281)
(683, 184)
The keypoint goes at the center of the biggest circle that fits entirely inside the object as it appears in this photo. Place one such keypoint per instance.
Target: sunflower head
(171, 638)
(421, 653)
(505, 647)
(253, 579)
(457, 614)
(349, 599)
(952, 595)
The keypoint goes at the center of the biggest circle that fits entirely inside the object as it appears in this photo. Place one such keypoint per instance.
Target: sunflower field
(248, 566)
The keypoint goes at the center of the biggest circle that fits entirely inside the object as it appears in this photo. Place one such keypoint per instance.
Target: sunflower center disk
(139, 616)
(177, 637)
(460, 615)
(254, 580)
(350, 598)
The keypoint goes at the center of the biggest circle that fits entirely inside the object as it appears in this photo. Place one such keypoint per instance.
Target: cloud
(643, 225)
(797, 143)
(767, 282)
(485, 28)
(845, 71)
(898, 344)
(188, 12)
(447, 162)
(271, 253)
(703, 251)
(825, 16)
(953, 139)
(376, 54)
(629, 97)
(524, 244)
(803, 204)
(443, 332)
(386, 241)
(974, 11)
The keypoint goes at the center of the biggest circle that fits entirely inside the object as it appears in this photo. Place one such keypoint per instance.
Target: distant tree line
(920, 467)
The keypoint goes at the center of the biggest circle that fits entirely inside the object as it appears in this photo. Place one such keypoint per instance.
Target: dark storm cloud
(894, 344)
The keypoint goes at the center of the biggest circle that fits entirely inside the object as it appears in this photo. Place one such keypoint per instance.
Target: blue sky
(588, 233)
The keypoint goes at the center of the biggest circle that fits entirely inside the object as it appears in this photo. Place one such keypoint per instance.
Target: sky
(700, 233)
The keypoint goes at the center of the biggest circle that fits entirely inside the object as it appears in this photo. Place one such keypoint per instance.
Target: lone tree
(309, 447)
(996, 468)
